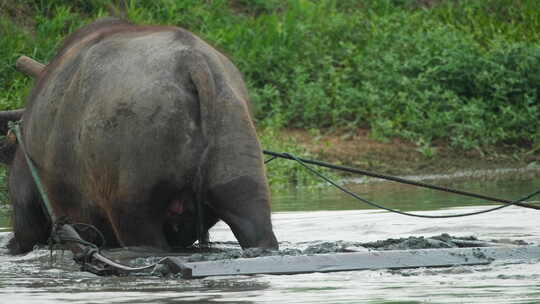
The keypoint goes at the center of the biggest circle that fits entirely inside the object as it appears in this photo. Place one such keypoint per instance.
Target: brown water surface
(304, 218)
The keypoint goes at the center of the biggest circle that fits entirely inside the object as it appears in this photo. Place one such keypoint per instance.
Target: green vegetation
(463, 72)
(283, 173)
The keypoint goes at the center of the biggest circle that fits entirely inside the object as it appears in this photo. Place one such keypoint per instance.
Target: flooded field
(322, 217)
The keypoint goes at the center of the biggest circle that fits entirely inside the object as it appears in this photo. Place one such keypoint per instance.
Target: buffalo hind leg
(244, 205)
(30, 224)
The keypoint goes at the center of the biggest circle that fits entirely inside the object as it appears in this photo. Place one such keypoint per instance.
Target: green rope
(15, 127)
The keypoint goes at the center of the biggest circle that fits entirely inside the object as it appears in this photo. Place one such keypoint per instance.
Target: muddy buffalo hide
(129, 126)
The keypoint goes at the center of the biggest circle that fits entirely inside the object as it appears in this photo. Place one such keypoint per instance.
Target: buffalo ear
(8, 143)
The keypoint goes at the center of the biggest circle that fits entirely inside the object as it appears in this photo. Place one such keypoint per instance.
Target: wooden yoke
(29, 66)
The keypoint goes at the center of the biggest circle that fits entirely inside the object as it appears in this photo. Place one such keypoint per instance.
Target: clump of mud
(289, 250)
(331, 247)
(435, 242)
(226, 251)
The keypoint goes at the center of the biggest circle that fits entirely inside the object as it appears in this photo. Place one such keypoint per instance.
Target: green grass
(465, 72)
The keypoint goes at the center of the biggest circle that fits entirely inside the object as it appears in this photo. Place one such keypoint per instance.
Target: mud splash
(231, 250)
(436, 242)
(30, 278)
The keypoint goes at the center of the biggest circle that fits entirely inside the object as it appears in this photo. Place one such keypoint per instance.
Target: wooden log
(11, 115)
(29, 66)
(391, 259)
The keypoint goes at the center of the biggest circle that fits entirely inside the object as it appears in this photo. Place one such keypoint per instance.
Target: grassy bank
(464, 73)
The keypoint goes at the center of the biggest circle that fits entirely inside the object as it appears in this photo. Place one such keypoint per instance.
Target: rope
(82, 227)
(401, 212)
(270, 159)
(15, 126)
(397, 179)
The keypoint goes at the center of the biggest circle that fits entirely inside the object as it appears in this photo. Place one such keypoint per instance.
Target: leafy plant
(462, 71)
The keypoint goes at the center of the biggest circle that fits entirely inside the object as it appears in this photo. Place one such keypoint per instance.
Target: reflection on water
(304, 218)
(403, 197)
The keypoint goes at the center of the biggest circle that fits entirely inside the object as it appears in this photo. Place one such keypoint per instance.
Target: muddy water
(317, 217)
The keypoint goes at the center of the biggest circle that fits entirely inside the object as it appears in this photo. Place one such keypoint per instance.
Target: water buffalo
(128, 127)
